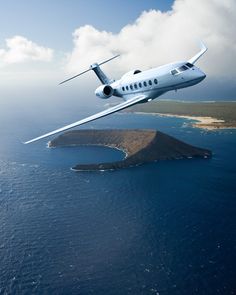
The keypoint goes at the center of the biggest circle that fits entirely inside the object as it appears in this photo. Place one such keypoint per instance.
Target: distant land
(209, 115)
(140, 146)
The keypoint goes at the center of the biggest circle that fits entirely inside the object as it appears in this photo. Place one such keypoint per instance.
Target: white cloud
(19, 50)
(159, 37)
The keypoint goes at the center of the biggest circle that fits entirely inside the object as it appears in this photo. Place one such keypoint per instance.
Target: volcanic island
(140, 147)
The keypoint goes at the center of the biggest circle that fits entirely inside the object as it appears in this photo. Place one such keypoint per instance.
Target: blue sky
(51, 22)
(42, 42)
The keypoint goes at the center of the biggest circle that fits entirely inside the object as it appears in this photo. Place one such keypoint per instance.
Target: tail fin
(96, 68)
(100, 74)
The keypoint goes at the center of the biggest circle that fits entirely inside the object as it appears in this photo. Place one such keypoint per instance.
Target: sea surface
(161, 228)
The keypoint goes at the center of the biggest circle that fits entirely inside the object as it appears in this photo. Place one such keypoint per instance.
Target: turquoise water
(161, 228)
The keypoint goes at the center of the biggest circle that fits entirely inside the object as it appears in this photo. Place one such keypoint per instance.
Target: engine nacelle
(104, 91)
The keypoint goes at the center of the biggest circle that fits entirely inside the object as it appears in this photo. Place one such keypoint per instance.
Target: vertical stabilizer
(100, 74)
(96, 68)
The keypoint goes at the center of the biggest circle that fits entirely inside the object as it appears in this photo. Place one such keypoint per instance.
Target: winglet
(199, 54)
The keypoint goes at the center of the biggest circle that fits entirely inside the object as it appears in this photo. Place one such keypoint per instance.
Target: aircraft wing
(104, 113)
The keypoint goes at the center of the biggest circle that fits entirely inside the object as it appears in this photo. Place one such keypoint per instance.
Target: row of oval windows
(135, 86)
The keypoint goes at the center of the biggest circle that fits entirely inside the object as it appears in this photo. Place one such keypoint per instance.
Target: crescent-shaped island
(139, 146)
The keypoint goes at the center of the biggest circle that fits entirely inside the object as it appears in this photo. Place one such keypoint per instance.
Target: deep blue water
(161, 228)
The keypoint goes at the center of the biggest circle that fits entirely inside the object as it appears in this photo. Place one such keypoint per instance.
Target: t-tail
(100, 74)
(97, 70)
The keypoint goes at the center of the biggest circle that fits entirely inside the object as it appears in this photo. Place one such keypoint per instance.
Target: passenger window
(155, 81)
(135, 86)
(127, 87)
(150, 82)
(145, 83)
(123, 88)
(140, 84)
(131, 87)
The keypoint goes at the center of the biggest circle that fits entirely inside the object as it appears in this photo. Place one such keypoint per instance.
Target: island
(210, 115)
(140, 146)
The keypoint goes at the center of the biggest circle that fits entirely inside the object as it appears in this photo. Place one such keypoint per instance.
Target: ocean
(161, 228)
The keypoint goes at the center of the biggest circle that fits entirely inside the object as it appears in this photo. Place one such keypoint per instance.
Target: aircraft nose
(202, 75)
(196, 76)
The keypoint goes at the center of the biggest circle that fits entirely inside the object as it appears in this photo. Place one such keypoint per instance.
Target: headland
(140, 146)
(208, 115)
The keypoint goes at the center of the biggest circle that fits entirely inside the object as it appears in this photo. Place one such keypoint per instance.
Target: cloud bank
(19, 50)
(156, 38)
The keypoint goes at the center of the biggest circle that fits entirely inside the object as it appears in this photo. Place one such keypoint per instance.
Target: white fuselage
(138, 87)
(154, 82)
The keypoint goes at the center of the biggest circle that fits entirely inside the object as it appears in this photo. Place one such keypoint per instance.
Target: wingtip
(29, 141)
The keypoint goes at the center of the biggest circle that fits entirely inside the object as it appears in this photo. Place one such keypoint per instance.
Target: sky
(43, 42)
(52, 22)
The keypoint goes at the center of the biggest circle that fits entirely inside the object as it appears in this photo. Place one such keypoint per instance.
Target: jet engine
(104, 91)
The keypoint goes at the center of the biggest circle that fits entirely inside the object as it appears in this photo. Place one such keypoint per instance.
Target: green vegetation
(221, 110)
(223, 113)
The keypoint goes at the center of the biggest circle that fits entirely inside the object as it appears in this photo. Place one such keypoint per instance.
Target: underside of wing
(104, 113)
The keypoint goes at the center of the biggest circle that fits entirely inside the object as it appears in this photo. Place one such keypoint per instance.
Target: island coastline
(139, 147)
(208, 123)
(205, 115)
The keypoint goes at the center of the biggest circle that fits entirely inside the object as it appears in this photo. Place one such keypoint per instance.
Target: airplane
(138, 86)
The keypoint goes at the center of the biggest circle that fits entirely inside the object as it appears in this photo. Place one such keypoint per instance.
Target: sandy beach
(208, 123)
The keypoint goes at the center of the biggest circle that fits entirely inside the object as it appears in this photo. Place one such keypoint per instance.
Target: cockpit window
(189, 65)
(174, 72)
(137, 72)
(182, 68)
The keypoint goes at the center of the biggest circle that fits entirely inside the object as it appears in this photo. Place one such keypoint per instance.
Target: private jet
(138, 86)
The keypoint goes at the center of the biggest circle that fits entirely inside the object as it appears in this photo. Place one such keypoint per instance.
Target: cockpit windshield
(183, 68)
(189, 65)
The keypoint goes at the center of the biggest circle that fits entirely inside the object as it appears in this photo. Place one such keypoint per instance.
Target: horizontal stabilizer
(91, 68)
